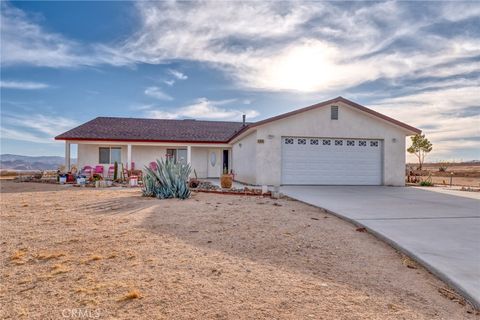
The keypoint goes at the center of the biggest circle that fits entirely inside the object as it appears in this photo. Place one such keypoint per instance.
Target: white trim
(129, 156)
(156, 144)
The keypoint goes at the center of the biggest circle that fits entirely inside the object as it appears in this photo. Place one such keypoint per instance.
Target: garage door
(327, 161)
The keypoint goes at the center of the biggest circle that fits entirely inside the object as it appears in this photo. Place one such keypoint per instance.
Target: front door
(214, 163)
(225, 162)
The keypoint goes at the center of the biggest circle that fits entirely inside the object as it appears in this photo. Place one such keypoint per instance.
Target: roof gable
(327, 103)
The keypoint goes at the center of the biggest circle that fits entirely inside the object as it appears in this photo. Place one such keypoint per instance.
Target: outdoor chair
(153, 166)
(111, 172)
(99, 170)
(87, 171)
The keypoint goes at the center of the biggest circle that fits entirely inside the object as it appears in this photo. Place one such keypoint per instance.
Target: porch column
(67, 156)
(129, 156)
(189, 154)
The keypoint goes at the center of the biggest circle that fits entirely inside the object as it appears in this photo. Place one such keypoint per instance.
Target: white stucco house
(336, 142)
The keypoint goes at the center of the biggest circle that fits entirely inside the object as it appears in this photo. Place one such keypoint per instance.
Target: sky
(64, 63)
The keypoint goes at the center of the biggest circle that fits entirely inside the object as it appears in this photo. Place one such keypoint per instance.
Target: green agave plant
(168, 180)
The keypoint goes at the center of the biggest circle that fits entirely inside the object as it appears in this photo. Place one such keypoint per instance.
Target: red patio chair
(99, 170)
(87, 171)
(111, 172)
(153, 165)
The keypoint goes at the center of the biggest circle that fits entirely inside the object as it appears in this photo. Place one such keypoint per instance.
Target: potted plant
(193, 183)
(226, 179)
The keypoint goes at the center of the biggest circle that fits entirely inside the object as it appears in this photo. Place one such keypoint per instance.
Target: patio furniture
(153, 165)
(99, 170)
(87, 171)
(111, 172)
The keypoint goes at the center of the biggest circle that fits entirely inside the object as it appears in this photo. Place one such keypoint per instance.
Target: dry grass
(212, 256)
(409, 263)
(131, 295)
(49, 255)
(18, 255)
(59, 269)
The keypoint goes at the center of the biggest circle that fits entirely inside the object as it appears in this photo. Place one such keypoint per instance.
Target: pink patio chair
(99, 170)
(87, 171)
(111, 172)
(153, 166)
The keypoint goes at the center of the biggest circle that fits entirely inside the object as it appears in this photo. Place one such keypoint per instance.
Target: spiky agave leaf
(170, 180)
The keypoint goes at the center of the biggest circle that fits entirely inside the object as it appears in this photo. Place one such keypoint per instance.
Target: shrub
(443, 167)
(168, 180)
(428, 182)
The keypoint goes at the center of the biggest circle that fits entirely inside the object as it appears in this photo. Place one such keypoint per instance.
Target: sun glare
(303, 68)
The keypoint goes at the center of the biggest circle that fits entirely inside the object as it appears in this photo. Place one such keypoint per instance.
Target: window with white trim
(326, 142)
(108, 155)
(339, 142)
(362, 143)
(350, 143)
(314, 142)
(288, 140)
(373, 143)
(302, 141)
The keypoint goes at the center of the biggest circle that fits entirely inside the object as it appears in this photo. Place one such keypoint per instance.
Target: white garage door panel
(358, 163)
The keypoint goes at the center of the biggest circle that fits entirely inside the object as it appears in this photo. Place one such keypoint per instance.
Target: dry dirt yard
(111, 254)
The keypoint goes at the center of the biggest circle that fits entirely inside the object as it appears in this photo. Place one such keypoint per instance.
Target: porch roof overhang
(143, 142)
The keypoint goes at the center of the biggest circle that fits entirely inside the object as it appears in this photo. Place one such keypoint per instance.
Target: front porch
(208, 160)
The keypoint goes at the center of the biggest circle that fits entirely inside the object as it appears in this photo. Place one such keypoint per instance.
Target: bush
(168, 180)
(443, 167)
(426, 183)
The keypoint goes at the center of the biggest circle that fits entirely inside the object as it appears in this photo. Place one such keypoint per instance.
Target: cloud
(169, 82)
(449, 117)
(302, 46)
(25, 42)
(36, 128)
(25, 85)
(157, 93)
(177, 74)
(204, 109)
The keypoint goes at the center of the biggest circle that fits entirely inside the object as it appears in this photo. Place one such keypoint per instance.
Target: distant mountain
(17, 162)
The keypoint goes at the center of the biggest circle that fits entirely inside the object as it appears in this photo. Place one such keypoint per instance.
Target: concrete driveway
(441, 230)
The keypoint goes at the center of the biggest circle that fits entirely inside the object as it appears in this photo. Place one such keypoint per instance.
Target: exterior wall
(317, 123)
(142, 155)
(244, 157)
(88, 154)
(199, 161)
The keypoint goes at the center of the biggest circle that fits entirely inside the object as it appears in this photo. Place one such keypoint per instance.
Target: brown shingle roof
(134, 129)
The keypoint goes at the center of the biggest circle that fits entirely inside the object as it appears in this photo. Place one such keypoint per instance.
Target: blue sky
(64, 63)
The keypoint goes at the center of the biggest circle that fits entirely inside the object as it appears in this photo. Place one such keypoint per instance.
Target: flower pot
(62, 179)
(226, 181)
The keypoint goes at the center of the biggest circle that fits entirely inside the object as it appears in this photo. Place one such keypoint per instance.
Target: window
(302, 141)
(339, 142)
(288, 141)
(108, 155)
(334, 112)
(362, 143)
(350, 143)
(179, 155)
(373, 143)
(326, 142)
(314, 142)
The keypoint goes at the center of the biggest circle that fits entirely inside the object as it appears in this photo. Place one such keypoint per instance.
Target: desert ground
(466, 174)
(112, 254)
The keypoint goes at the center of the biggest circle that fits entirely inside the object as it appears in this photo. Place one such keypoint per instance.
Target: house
(336, 142)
